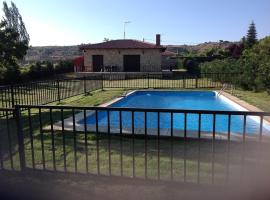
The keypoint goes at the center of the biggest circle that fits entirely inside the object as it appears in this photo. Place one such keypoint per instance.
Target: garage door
(97, 62)
(131, 63)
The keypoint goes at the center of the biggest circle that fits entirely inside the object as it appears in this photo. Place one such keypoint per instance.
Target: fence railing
(44, 92)
(133, 142)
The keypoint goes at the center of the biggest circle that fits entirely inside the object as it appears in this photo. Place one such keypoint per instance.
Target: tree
(251, 38)
(14, 21)
(14, 41)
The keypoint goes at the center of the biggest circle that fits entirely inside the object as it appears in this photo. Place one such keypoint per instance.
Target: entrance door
(131, 63)
(97, 63)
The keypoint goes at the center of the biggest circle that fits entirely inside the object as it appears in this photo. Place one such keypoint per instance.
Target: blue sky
(68, 22)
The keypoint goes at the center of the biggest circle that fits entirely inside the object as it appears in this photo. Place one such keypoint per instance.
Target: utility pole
(125, 23)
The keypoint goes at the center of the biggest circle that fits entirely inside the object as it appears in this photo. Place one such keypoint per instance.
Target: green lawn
(258, 99)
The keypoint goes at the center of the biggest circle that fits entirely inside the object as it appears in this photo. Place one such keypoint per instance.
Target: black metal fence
(44, 92)
(90, 140)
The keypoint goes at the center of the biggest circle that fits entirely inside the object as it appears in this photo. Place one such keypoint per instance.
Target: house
(123, 56)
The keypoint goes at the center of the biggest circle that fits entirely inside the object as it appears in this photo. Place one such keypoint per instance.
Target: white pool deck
(164, 132)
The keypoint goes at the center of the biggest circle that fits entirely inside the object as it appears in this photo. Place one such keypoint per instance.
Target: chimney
(158, 39)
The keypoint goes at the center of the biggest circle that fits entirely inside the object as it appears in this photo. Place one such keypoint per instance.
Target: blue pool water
(193, 100)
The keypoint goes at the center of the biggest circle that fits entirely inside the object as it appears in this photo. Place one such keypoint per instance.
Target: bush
(192, 66)
(36, 71)
(253, 67)
(64, 67)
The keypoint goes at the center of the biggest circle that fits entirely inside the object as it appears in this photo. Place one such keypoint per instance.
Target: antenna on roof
(125, 23)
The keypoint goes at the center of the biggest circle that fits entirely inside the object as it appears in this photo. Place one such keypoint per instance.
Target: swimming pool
(187, 100)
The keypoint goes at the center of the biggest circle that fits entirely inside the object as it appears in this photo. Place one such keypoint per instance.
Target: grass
(258, 99)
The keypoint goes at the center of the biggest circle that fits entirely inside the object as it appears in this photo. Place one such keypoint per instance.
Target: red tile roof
(123, 44)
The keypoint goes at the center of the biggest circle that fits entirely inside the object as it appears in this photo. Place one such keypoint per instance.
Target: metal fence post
(196, 83)
(12, 96)
(58, 90)
(20, 138)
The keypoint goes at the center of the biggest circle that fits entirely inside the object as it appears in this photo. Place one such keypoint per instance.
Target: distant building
(123, 56)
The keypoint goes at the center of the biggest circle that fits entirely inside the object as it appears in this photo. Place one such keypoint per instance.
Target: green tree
(14, 41)
(14, 21)
(251, 37)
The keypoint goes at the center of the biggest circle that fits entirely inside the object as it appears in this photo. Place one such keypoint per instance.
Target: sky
(73, 22)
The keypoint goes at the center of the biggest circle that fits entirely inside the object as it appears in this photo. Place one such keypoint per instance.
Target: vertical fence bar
(121, 143)
(31, 137)
(9, 140)
(133, 144)
(41, 139)
(74, 141)
(1, 155)
(12, 96)
(172, 140)
(213, 148)
(158, 145)
(229, 127)
(20, 138)
(53, 141)
(109, 141)
(214, 127)
(97, 142)
(228, 149)
(145, 145)
(199, 163)
(85, 141)
(64, 139)
(58, 91)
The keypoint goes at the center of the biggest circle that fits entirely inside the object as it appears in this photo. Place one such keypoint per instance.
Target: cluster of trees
(14, 43)
(41, 70)
(252, 65)
(192, 61)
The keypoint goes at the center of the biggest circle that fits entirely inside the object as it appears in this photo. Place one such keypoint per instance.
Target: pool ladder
(124, 94)
(224, 87)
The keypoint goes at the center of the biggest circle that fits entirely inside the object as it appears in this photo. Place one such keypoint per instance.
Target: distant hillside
(200, 48)
(54, 53)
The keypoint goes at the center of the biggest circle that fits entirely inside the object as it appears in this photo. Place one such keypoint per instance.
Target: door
(97, 63)
(131, 63)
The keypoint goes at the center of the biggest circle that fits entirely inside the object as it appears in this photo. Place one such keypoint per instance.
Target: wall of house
(150, 58)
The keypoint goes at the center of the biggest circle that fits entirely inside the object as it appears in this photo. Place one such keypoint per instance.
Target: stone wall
(150, 58)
